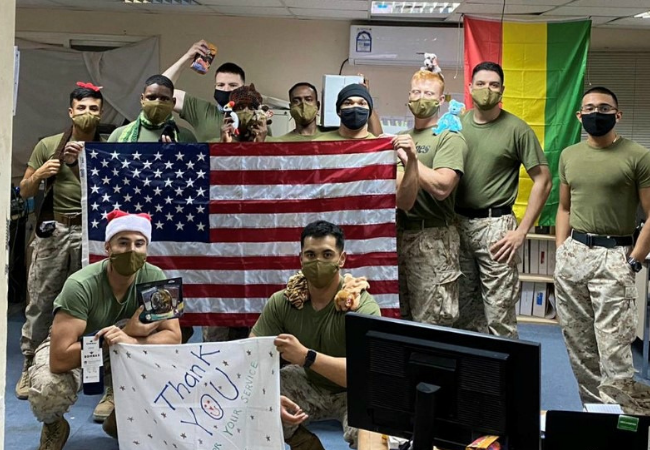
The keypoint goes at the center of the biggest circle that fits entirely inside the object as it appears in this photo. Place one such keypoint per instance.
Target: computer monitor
(441, 386)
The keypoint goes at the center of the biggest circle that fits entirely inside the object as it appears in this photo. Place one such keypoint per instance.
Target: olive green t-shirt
(87, 295)
(605, 185)
(293, 136)
(205, 117)
(67, 188)
(335, 136)
(147, 135)
(496, 150)
(322, 331)
(446, 150)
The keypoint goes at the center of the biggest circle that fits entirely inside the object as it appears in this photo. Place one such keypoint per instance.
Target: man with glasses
(499, 143)
(427, 239)
(603, 179)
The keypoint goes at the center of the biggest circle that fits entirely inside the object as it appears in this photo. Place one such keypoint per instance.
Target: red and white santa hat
(119, 221)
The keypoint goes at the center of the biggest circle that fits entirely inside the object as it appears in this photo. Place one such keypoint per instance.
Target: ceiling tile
(350, 5)
(36, 4)
(527, 2)
(597, 20)
(493, 8)
(596, 11)
(630, 22)
(329, 13)
(178, 9)
(252, 12)
(618, 3)
(243, 3)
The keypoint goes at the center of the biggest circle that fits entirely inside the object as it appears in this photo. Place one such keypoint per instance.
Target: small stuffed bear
(347, 299)
(451, 119)
(431, 63)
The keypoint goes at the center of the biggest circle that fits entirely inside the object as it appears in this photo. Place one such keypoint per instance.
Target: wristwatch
(310, 358)
(634, 264)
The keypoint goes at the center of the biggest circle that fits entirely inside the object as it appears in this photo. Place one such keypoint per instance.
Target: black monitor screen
(486, 385)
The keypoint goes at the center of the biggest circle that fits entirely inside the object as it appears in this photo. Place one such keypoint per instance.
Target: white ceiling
(604, 13)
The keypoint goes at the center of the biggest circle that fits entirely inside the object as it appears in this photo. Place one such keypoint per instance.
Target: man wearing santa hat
(92, 301)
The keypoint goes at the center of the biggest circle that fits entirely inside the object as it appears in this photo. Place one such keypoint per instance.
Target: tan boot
(110, 425)
(303, 439)
(105, 406)
(22, 387)
(54, 435)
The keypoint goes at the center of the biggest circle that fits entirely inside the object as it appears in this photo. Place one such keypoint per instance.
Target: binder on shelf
(526, 299)
(543, 258)
(520, 255)
(540, 299)
(534, 257)
(526, 256)
(551, 258)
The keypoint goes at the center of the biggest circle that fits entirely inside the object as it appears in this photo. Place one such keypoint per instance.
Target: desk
(371, 441)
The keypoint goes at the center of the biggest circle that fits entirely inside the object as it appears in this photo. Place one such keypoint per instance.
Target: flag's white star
(94, 189)
(200, 174)
(94, 223)
(157, 156)
(117, 188)
(179, 173)
(159, 208)
(125, 164)
(159, 225)
(126, 181)
(169, 200)
(106, 180)
(93, 154)
(115, 155)
(200, 156)
(104, 214)
(189, 200)
(157, 191)
(168, 182)
(190, 165)
(200, 209)
(137, 190)
(179, 209)
(200, 192)
(179, 156)
(137, 155)
(104, 163)
(190, 183)
(106, 198)
(127, 198)
(169, 165)
(138, 206)
(115, 172)
(116, 205)
(136, 173)
(147, 199)
(94, 172)
(190, 217)
(170, 217)
(94, 206)
(200, 226)
(157, 173)
(179, 191)
(146, 182)
(146, 164)
(179, 226)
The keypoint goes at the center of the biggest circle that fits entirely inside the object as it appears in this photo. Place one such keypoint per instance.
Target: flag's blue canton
(171, 183)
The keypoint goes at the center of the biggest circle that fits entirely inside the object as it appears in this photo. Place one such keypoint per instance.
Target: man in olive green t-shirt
(602, 181)
(310, 332)
(95, 300)
(56, 254)
(155, 123)
(304, 108)
(498, 144)
(354, 106)
(427, 239)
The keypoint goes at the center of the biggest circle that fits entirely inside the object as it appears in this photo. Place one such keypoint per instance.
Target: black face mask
(355, 118)
(598, 124)
(222, 97)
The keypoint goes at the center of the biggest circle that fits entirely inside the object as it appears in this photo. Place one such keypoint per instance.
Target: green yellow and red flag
(544, 66)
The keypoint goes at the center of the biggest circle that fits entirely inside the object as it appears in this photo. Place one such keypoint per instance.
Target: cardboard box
(526, 299)
(332, 85)
(539, 299)
(534, 256)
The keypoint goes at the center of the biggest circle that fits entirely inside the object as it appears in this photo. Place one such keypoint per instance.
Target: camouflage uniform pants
(319, 404)
(428, 273)
(52, 394)
(489, 290)
(54, 259)
(596, 295)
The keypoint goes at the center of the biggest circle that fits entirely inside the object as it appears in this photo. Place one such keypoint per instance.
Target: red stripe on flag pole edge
(483, 42)
(258, 262)
(244, 291)
(355, 232)
(309, 176)
(312, 205)
(246, 319)
(346, 147)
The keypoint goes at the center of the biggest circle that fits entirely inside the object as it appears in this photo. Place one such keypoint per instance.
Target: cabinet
(536, 303)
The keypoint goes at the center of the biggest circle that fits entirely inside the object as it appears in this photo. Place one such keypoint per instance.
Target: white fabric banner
(217, 395)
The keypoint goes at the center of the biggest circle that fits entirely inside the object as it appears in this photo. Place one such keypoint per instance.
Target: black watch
(634, 264)
(310, 358)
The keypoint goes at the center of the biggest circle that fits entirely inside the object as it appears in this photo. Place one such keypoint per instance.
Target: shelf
(537, 320)
(530, 278)
(541, 237)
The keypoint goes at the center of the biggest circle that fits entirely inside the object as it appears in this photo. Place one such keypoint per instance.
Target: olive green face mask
(485, 98)
(304, 114)
(423, 108)
(320, 273)
(127, 263)
(157, 111)
(86, 122)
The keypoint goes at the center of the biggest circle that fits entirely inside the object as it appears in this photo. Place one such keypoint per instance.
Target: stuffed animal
(347, 299)
(233, 115)
(247, 103)
(431, 63)
(451, 119)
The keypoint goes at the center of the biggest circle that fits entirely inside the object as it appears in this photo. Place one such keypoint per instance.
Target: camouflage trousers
(596, 296)
(428, 273)
(489, 290)
(318, 403)
(51, 395)
(54, 259)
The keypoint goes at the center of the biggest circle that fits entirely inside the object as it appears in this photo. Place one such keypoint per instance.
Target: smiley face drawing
(211, 407)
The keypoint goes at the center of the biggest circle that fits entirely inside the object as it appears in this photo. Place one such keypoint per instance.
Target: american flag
(227, 218)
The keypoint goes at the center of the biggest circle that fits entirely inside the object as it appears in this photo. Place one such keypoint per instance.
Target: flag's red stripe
(293, 234)
(244, 291)
(245, 319)
(354, 203)
(310, 176)
(257, 262)
(483, 42)
(301, 148)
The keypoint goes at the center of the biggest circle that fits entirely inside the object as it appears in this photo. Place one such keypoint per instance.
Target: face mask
(320, 273)
(304, 114)
(424, 108)
(221, 97)
(127, 263)
(157, 111)
(598, 124)
(485, 99)
(86, 122)
(355, 118)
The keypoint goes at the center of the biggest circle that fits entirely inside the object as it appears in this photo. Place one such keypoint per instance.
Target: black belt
(412, 224)
(482, 213)
(602, 241)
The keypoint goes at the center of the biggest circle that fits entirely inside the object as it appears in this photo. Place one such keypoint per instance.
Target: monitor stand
(424, 429)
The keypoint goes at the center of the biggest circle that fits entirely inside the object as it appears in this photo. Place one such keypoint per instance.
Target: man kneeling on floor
(308, 318)
(94, 299)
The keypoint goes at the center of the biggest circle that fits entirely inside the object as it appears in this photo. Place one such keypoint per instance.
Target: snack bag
(201, 64)
(485, 443)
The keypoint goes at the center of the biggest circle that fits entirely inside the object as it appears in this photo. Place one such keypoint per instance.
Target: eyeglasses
(417, 93)
(603, 109)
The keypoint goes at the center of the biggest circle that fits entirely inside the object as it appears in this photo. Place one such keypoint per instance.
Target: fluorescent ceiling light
(164, 2)
(645, 15)
(408, 8)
